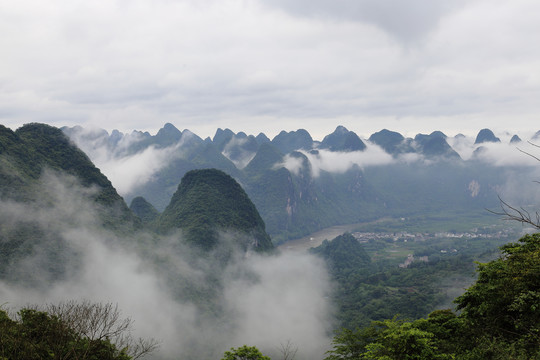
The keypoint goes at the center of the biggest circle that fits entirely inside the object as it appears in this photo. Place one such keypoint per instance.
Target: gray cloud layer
(407, 20)
(267, 65)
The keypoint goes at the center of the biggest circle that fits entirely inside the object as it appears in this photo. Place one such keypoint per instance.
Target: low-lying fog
(263, 301)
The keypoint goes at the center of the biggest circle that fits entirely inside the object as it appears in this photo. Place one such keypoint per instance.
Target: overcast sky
(267, 65)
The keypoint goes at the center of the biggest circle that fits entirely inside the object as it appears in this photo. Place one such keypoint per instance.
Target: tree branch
(509, 212)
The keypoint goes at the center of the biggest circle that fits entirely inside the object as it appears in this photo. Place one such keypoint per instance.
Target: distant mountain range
(300, 185)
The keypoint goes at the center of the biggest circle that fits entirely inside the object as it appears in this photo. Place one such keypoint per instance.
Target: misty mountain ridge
(301, 185)
(241, 148)
(486, 135)
(144, 210)
(342, 140)
(238, 147)
(33, 148)
(40, 168)
(43, 179)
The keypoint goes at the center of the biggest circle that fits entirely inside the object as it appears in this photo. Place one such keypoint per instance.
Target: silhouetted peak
(222, 134)
(293, 140)
(438, 133)
(262, 138)
(343, 140)
(168, 135)
(170, 128)
(341, 130)
(435, 145)
(486, 135)
(392, 142)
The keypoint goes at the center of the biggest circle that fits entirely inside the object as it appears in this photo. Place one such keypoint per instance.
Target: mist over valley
(203, 260)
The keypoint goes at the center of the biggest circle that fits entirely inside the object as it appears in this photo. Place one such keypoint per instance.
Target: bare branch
(520, 214)
(509, 212)
(533, 144)
(288, 350)
(531, 155)
(98, 321)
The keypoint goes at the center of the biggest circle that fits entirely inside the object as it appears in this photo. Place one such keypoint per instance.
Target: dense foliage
(499, 318)
(92, 331)
(37, 162)
(504, 303)
(208, 201)
(367, 290)
(144, 210)
(244, 353)
(343, 253)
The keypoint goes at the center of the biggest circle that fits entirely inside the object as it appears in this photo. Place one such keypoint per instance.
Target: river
(315, 239)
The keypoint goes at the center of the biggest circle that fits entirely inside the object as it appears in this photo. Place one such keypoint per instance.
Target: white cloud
(126, 169)
(129, 172)
(234, 152)
(500, 154)
(340, 162)
(292, 163)
(286, 303)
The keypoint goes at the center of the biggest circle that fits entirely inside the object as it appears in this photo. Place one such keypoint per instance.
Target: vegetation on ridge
(70, 330)
(209, 201)
(498, 318)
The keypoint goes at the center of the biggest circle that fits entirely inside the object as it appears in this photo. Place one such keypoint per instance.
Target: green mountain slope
(343, 252)
(31, 149)
(44, 182)
(144, 210)
(209, 201)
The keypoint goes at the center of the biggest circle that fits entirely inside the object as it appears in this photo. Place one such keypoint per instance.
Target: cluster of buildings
(364, 237)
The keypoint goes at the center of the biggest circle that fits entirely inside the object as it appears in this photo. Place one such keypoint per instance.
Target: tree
(244, 353)
(288, 350)
(350, 345)
(386, 340)
(99, 321)
(504, 303)
(520, 214)
(402, 341)
(70, 331)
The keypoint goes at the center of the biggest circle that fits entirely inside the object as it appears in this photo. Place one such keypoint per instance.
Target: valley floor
(315, 239)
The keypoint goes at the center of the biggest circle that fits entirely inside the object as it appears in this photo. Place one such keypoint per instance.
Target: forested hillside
(208, 202)
(497, 318)
(38, 166)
